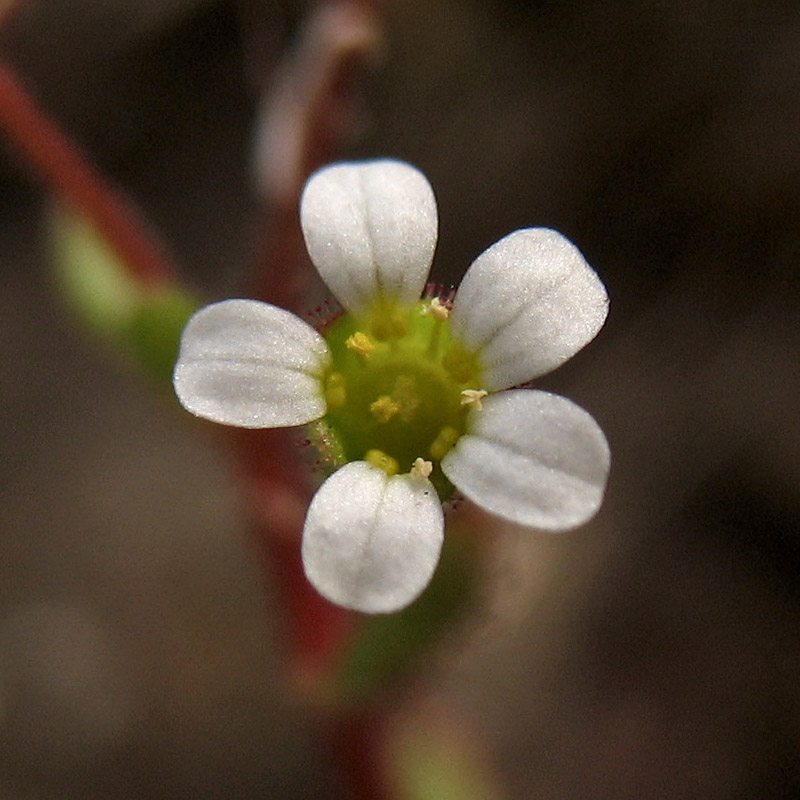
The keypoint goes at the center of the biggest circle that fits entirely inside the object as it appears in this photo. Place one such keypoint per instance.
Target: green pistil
(395, 388)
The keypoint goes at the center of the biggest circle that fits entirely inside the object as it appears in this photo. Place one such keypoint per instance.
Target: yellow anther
(443, 442)
(335, 390)
(421, 468)
(361, 344)
(384, 408)
(437, 309)
(379, 459)
(473, 397)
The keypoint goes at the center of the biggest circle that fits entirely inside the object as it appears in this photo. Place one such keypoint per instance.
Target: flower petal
(371, 542)
(532, 457)
(528, 303)
(252, 365)
(370, 229)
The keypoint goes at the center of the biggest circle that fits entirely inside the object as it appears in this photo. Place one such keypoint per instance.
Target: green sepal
(154, 333)
(145, 321)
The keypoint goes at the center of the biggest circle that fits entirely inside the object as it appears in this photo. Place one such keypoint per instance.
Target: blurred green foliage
(145, 321)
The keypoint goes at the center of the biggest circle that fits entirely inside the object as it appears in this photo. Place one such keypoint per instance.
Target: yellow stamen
(473, 397)
(421, 468)
(361, 344)
(379, 459)
(335, 390)
(437, 309)
(384, 408)
(443, 442)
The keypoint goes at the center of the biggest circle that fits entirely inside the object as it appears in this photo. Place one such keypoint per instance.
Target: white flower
(417, 398)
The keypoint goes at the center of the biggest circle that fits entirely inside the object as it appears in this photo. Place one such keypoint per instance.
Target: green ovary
(394, 386)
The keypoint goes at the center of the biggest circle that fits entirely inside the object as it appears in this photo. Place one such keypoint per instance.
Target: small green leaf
(145, 321)
(95, 284)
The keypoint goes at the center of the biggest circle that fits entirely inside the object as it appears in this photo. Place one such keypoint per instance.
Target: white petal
(371, 542)
(252, 365)
(370, 229)
(532, 457)
(528, 303)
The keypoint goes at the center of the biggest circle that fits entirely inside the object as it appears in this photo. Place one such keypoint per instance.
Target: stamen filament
(473, 397)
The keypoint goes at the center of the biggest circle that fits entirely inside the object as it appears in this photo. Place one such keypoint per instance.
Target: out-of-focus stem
(278, 493)
(306, 117)
(358, 742)
(7, 8)
(68, 174)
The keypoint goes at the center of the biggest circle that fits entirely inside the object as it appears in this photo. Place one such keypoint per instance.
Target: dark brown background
(653, 654)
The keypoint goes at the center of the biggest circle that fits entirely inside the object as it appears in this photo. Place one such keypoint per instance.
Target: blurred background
(654, 653)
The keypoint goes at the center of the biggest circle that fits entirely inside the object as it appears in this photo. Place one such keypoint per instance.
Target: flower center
(398, 389)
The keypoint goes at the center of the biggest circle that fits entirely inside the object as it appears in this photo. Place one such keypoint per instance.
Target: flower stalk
(276, 492)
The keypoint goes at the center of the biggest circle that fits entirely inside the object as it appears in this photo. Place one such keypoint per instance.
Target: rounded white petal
(371, 542)
(533, 458)
(370, 229)
(250, 364)
(528, 303)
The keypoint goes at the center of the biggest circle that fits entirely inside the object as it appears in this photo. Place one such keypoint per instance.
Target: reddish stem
(307, 117)
(358, 740)
(66, 171)
(278, 493)
(308, 114)
(7, 8)
(304, 122)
